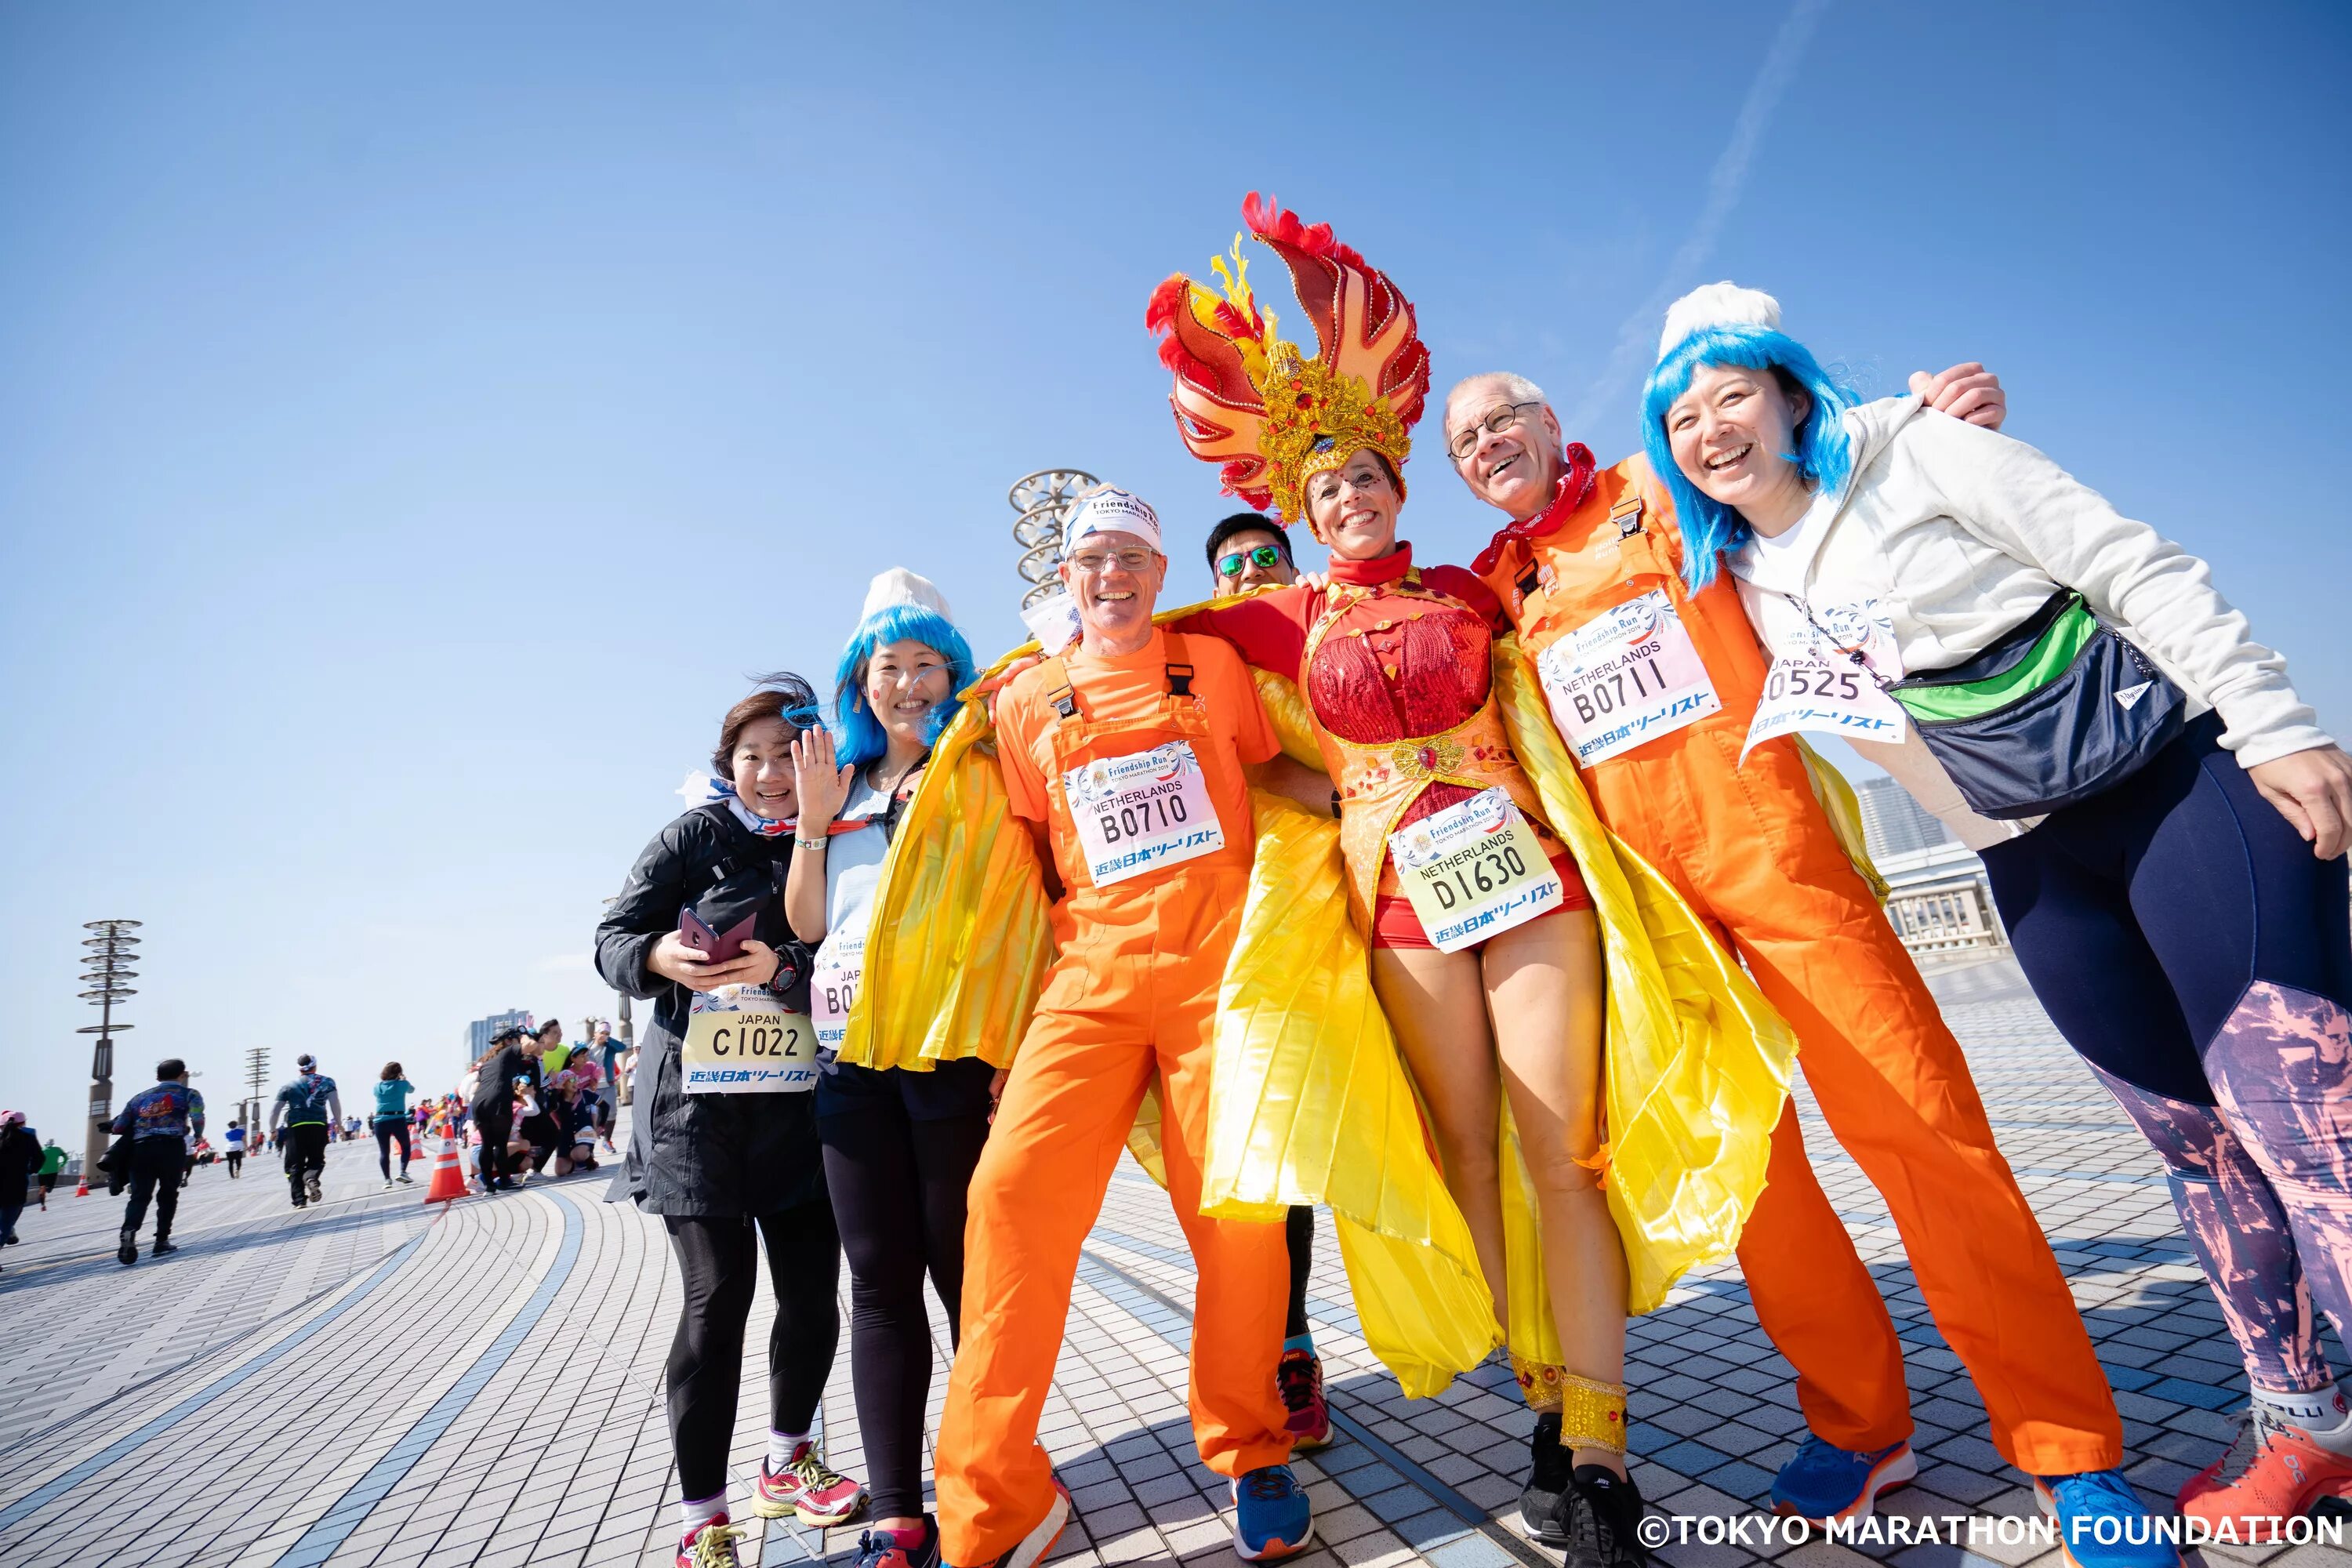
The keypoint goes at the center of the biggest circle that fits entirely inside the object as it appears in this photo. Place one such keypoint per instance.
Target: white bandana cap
(1723, 304)
(900, 586)
(1106, 509)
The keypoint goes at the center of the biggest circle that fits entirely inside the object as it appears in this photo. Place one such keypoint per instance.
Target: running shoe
(1040, 1537)
(387, 1184)
(806, 1486)
(1824, 1481)
(317, 1193)
(126, 1250)
(1598, 1522)
(2272, 1472)
(163, 1247)
(710, 1545)
(406, 1180)
(1300, 1378)
(2084, 1505)
(881, 1549)
(1271, 1515)
(1547, 1476)
(298, 1200)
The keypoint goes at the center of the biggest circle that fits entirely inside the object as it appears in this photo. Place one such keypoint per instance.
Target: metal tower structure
(1044, 499)
(105, 968)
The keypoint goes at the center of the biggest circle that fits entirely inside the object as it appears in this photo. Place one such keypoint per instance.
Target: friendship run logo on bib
(1628, 674)
(740, 1040)
(833, 988)
(1136, 813)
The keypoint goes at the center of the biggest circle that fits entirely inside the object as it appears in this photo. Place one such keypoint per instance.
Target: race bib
(1136, 813)
(1473, 869)
(1821, 688)
(840, 965)
(1626, 676)
(740, 1040)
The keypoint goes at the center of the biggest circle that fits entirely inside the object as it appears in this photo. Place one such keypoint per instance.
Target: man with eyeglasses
(1589, 554)
(1246, 551)
(1129, 755)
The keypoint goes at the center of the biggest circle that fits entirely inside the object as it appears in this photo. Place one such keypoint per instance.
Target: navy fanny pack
(2054, 712)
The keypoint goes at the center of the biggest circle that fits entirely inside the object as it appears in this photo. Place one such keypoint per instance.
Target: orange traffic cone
(83, 1191)
(448, 1174)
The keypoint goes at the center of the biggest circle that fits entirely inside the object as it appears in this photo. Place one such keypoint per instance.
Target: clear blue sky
(415, 425)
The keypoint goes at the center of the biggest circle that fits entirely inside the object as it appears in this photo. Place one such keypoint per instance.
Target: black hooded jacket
(709, 1156)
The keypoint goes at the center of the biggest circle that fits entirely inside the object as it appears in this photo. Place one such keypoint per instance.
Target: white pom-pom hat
(1724, 304)
(900, 586)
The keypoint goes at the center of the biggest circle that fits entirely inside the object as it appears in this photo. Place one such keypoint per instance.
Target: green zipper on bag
(2056, 649)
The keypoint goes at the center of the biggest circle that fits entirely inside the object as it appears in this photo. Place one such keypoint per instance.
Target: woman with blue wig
(2162, 820)
(899, 1144)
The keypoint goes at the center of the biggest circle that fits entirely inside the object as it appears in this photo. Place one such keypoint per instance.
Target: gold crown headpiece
(1252, 403)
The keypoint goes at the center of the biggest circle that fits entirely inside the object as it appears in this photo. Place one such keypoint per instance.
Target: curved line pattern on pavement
(130, 1442)
(335, 1526)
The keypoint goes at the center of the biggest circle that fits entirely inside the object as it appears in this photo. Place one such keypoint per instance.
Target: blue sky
(415, 425)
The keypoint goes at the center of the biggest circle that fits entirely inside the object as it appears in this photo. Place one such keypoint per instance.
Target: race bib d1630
(740, 1040)
(1137, 813)
(1473, 869)
(1628, 674)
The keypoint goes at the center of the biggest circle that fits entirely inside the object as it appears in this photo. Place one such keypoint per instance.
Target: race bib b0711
(740, 1040)
(1137, 813)
(1628, 674)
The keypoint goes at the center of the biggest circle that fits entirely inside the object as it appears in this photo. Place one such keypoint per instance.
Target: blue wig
(1824, 454)
(861, 736)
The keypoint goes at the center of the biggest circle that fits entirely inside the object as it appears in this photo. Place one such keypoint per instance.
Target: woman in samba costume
(1486, 952)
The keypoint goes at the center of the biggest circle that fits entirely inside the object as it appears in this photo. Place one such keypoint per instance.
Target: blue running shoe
(1824, 1481)
(2102, 1523)
(1271, 1516)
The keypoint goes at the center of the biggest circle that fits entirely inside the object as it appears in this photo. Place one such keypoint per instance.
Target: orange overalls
(1132, 997)
(1750, 850)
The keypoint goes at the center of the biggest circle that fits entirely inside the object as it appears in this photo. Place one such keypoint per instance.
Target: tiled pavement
(362, 1382)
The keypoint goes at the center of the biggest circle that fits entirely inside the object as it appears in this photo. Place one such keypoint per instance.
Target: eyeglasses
(1135, 558)
(1499, 418)
(1265, 558)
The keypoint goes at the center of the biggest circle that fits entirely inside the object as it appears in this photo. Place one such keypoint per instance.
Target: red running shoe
(806, 1486)
(1299, 1376)
(710, 1545)
(2271, 1474)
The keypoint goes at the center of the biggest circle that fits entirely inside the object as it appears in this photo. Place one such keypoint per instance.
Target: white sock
(693, 1516)
(2323, 1414)
(782, 1446)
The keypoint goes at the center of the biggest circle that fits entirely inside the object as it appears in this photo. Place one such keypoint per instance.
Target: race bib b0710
(1137, 813)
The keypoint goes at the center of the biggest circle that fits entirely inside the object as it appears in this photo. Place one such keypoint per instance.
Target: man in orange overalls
(1129, 755)
(1654, 686)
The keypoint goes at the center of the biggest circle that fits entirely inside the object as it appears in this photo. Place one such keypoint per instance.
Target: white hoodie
(1960, 534)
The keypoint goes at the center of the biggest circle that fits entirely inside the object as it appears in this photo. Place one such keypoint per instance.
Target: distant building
(1895, 823)
(479, 1032)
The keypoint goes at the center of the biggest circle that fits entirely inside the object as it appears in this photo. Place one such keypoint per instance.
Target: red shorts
(1394, 924)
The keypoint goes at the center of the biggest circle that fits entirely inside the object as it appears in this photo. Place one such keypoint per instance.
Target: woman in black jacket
(717, 1162)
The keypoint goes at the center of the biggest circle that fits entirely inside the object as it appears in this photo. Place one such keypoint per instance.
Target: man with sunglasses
(1246, 551)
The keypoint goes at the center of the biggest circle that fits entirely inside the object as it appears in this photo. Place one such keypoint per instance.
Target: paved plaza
(369, 1383)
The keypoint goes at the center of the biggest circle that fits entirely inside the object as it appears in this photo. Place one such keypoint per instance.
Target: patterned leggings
(2188, 943)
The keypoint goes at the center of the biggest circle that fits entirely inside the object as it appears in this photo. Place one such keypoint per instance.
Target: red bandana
(1574, 486)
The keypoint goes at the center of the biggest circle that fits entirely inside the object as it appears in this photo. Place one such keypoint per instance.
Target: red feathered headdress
(1250, 401)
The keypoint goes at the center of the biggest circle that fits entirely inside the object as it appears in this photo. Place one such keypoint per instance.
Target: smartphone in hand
(712, 944)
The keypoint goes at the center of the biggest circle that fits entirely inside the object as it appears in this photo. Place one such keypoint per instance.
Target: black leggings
(386, 1131)
(2150, 917)
(898, 1189)
(1299, 1231)
(497, 1133)
(718, 1260)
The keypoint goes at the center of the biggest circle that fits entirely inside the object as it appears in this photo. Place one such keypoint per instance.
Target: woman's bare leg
(1437, 1003)
(1544, 984)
